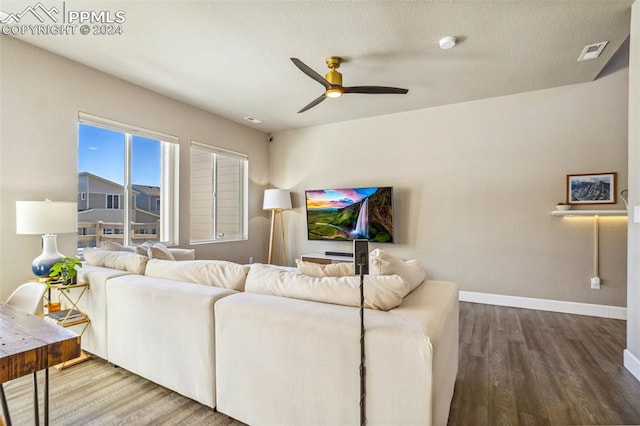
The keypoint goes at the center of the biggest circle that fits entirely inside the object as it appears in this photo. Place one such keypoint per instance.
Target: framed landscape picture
(596, 188)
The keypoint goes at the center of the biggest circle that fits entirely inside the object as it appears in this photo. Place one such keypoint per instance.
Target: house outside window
(115, 160)
(219, 188)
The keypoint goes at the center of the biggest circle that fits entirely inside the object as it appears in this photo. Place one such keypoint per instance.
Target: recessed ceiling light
(447, 42)
(253, 119)
(592, 51)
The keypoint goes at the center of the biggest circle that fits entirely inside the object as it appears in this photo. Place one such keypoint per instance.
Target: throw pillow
(313, 269)
(114, 246)
(383, 263)
(183, 254)
(143, 248)
(159, 251)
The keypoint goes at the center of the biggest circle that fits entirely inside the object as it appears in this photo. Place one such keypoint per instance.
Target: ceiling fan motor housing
(334, 78)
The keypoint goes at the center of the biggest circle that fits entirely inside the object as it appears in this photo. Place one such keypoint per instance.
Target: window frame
(169, 185)
(113, 197)
(243, 192)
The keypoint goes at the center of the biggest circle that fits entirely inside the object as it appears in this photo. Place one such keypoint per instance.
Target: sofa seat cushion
(381, 292)
(218, 273)
(120, 260)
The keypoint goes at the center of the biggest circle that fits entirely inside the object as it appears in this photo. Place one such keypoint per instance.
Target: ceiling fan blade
(311, 73)
(375, 90)
(313, 103)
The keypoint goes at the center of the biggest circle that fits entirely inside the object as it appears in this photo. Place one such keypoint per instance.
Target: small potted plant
(64, 271)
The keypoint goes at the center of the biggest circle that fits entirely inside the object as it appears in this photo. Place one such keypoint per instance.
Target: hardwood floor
(526, 367)
(96, 393)
(517, 367)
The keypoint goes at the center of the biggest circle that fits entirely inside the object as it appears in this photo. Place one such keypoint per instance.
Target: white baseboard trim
(632, 363)
(604, 311)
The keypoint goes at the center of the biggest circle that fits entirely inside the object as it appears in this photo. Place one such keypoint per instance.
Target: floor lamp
(276, 200)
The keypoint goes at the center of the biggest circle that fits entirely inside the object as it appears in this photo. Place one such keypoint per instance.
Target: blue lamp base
(48, 258)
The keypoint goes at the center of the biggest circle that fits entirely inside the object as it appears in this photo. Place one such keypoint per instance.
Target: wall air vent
(592, 51)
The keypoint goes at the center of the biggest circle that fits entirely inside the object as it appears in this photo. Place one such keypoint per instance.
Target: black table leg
(36, 416)
(5, 407)
(46, 397)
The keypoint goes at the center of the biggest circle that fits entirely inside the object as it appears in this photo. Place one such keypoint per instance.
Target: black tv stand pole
(363, 372)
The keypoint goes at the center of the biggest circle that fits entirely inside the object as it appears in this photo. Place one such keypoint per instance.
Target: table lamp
(276, 200)
(47, 218)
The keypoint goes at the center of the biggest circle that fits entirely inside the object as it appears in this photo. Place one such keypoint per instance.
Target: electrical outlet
(595, 283)
(250, 259)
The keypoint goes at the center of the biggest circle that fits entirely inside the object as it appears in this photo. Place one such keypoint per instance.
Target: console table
(325, 259)
(29, 344)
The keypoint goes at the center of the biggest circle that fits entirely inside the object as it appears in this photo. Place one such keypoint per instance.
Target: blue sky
(101, 152)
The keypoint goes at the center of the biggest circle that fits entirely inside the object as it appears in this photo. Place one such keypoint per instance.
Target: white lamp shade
(276, 199)
(46, 217)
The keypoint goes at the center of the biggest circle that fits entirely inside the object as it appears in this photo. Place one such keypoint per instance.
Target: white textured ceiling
(232, 57)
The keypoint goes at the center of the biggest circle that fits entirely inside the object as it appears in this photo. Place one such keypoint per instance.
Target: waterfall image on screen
(350, 213)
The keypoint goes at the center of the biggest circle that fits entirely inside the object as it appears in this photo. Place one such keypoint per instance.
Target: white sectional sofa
(282, 361)
(243, 339)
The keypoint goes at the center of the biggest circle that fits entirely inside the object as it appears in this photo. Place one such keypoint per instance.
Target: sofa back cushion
(218, 273)
(381, 292)
(120, 260)
(314, 269)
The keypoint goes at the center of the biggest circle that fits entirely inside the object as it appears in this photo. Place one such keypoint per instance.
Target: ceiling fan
(333, 83)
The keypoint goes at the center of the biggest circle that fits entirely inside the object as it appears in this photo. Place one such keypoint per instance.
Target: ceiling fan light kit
(332, 83)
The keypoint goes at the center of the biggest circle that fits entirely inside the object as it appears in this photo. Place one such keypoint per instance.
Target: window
(112, 231)
(117, 163)
(113, 201)
(219, 187)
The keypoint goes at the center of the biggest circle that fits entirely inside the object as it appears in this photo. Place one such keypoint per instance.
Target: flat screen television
(347, 214)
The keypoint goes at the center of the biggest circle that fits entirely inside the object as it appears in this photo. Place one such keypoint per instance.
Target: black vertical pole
(35, 398)
(5, 407)
(363, 419)
(46, 396)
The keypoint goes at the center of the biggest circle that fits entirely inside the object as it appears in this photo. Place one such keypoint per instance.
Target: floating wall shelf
(589, 213)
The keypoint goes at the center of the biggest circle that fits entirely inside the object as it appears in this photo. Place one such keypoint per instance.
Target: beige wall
(42, 94)
(475, 184)
(633, 291)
